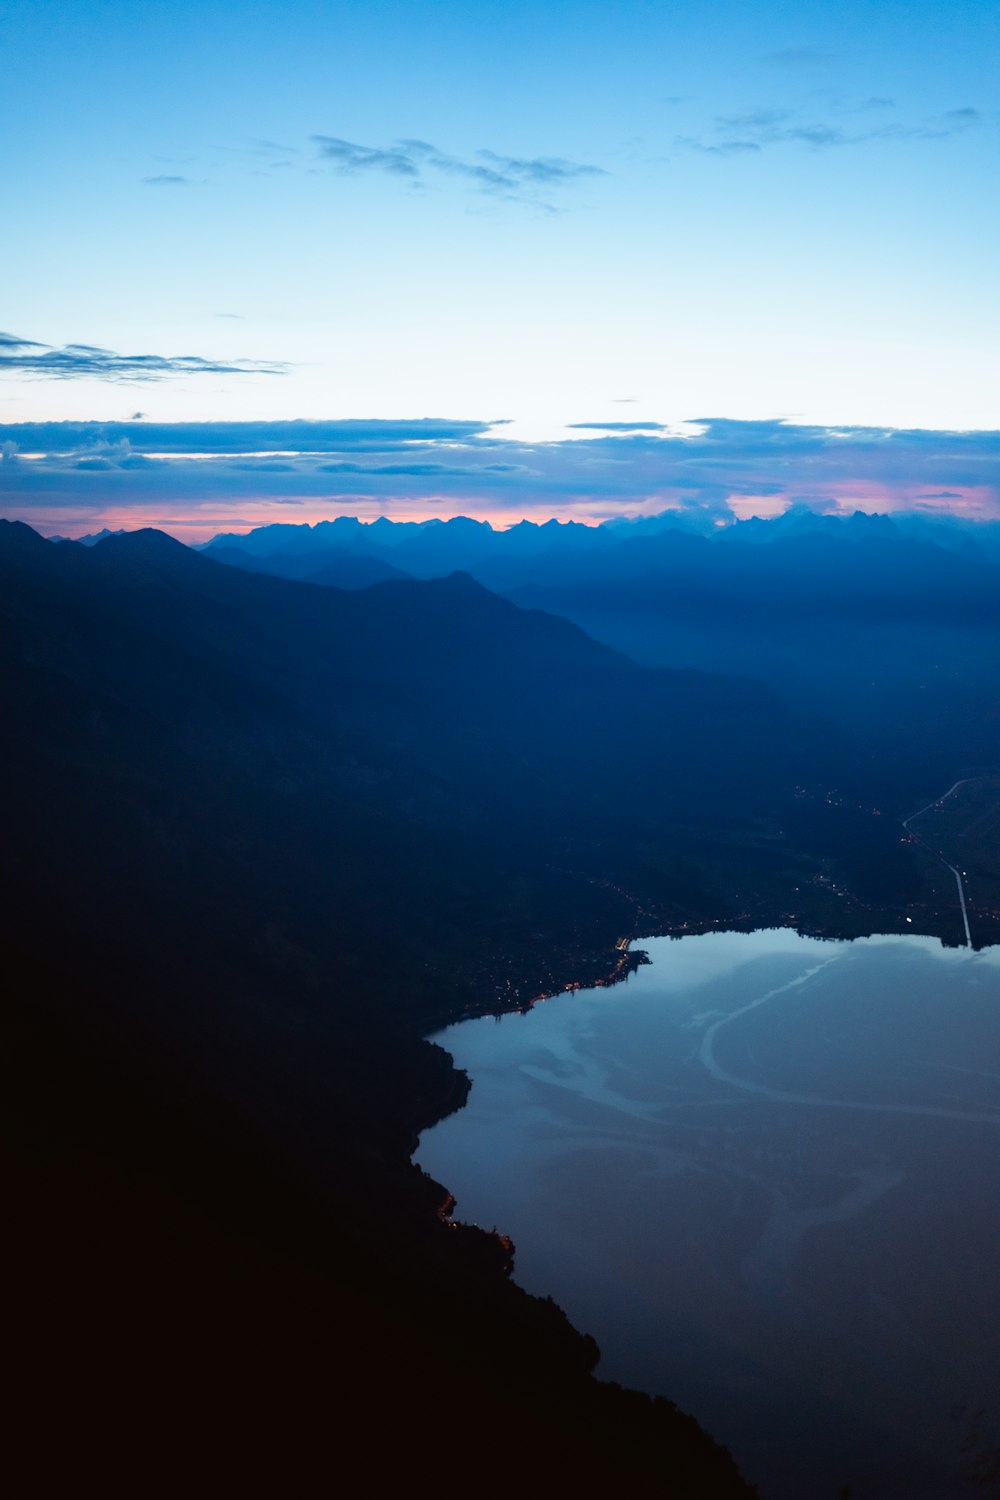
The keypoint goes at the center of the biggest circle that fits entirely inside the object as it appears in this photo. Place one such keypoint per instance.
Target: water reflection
(764, 1174)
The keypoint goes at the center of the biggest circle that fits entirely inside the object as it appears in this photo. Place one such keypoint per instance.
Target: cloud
(273, 148)
(75, 473)
(548, 170)
(77, 361)
(213, 439)
(963, 119)
(817, 136)
(716, 148)
(165, 180)
(618, 426)
(758, 129)
(109, 457)
(263, 466)
(511, 176)
(755, 119)
(352, 158)
(422, 470)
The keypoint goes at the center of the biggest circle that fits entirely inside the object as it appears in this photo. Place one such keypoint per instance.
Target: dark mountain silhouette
(259, 837)
(262, 836)
(887, 626)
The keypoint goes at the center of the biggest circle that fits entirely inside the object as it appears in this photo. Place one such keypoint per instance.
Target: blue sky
(540, 214)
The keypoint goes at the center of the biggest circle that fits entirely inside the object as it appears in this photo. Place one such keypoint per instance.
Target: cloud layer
(490, 172)
(194, 477)
(22, 357)
(758, 129)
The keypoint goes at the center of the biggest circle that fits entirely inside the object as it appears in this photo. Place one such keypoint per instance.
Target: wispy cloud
(105, 458)
(962, 119)
(718, 148)
(618, 426)
(548, 170)
(759, 129)
(220, 439)
(350, 157)
(422, 470)
(273, 148)
(491, 172)
(863, 106)
(78, 361)
(166, 179)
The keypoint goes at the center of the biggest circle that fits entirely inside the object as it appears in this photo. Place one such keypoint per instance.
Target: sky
(581, 239)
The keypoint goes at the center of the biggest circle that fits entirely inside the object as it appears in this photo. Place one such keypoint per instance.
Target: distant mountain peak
(147, 541)
(93, 537)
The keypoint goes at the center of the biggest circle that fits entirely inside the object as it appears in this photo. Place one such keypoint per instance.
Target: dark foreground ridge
(260, 838)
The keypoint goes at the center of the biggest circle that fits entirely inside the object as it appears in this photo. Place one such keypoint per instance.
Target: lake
(765, 1174)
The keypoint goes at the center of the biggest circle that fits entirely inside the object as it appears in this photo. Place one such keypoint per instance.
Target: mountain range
(888, 627)
(264, 833)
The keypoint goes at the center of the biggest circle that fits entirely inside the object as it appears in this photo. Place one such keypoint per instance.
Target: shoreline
(959, 957)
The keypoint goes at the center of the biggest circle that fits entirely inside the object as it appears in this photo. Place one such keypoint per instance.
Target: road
(957, 873)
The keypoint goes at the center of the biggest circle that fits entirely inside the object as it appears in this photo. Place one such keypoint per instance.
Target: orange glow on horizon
(195, 528)
(200, 524)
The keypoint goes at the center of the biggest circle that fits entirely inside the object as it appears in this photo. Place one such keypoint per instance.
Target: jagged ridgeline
(888, 626)
(260, 836)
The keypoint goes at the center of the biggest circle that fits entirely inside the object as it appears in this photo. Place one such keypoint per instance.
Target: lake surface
(765, 1175)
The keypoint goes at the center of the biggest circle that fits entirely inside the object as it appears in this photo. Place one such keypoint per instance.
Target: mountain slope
(259, 835)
